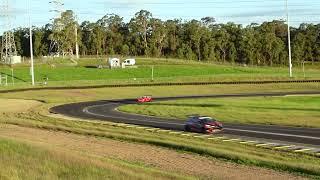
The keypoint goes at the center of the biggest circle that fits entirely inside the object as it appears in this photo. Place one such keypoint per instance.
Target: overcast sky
(238, 11)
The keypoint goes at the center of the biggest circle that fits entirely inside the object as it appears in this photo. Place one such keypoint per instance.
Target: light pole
(289, 40)
(77, 45)
(31, 44)
(76, 37)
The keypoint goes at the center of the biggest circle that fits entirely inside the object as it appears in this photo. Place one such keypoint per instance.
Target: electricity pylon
(8, 46)
(54, 43)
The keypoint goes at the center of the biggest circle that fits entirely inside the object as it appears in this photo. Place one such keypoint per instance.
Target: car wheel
(204, 130)
(187, 128)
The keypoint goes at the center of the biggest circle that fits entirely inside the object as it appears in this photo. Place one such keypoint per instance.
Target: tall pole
(289, 40)
(77, 46)
(31, 45)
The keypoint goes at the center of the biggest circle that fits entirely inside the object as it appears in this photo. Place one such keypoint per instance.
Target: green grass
(289, 111)
(303, 164)
(243, 154)
(69, 96)
(22, 161)
(66, 74)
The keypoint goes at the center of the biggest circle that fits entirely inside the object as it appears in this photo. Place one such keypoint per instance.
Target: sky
(238, 11)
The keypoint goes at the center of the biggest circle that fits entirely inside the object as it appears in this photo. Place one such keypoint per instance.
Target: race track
(106, 110)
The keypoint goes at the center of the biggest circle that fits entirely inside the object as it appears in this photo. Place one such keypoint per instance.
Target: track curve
(106, 110)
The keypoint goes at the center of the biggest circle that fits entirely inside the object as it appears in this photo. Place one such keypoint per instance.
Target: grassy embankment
(23, 161)
(64, 73)
(304, 164)
(289, 111)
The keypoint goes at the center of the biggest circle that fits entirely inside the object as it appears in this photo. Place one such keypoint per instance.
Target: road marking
(87, 110)
(131, 126)
(284, 147)
(205, 136)
(164, 130)
(141, 127)
(121, 125)
(231, 140)
(224, 139)
(264, 144)
(217, 138)
(175, 132)
(248, 142)
(271, 133)
(303, 150)
(152, 129)
(198, 136)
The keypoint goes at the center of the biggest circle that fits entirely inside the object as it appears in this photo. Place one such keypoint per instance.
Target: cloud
(128, 2)
(263, 13)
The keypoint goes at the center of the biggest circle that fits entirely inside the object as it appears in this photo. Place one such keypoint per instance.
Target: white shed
(114, 63)
(13, 60)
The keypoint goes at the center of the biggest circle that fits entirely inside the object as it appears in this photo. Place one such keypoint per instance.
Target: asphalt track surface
(106, 110)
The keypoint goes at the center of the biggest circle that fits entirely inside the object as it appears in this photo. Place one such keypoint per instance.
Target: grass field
(290, 111)
(35, 120)
(64, 73)
(23, 161)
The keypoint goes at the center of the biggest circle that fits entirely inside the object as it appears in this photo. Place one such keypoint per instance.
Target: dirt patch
(157, 157)
(17, 105)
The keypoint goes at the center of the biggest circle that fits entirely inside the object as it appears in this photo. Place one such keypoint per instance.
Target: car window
(207, 120)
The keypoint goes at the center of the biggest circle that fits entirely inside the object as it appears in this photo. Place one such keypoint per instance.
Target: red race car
(144, 99)
(203, 124)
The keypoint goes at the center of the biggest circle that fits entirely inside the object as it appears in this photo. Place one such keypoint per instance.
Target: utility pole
(289, 40)
(77, 45)
(31, 44)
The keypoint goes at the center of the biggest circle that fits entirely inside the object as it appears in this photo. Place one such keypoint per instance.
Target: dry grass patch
(17, 105)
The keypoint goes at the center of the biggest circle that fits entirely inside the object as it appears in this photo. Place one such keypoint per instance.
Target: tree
(158, 33)
(64, 31)
(194, 32)
(222, 38)
(208, 21)
(202, 40)
(113, 26)
(140, 27)
(249, 46)
(173, 28)
(41, 43)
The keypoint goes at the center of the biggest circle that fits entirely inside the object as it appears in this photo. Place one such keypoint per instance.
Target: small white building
(114, 63)
(13, 60)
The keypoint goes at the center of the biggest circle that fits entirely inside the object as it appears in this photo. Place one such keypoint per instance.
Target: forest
(201, 40)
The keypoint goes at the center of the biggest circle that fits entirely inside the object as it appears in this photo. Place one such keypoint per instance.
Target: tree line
(201, 40)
